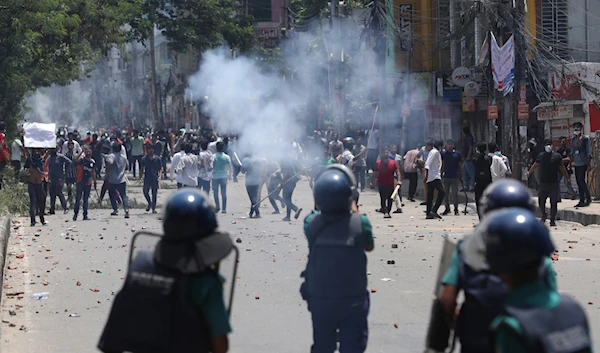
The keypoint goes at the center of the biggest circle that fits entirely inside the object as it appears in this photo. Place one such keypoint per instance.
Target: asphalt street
(82, 264)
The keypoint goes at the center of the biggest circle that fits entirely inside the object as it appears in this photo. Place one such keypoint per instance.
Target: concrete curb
(4, 237)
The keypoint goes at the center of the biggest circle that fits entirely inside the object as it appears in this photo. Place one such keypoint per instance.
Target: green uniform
(451, 276)
(536, 295)
(206, 292)
(367, 228)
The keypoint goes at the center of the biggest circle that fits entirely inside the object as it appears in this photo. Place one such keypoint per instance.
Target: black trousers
(479, 188)
(548, 190)
(37, 201)
(412, 183)
(431, 186)
(56, 190)
(385, 194)
(584, 192)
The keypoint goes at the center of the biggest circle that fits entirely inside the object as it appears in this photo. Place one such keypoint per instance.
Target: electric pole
(153, 100)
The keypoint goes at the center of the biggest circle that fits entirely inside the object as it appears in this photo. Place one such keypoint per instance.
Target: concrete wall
(4, 236)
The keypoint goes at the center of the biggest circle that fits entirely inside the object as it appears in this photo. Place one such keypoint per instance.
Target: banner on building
(38, 135)
(523, 112)
(503, 64)
(468, 103)
(492, 112)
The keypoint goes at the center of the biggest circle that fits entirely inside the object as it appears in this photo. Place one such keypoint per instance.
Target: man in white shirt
(372, 147)
(16, 151)
(347, 158)
(76, 146)
(188, 168)
(433, 178)
(498, 167)
(174, 163)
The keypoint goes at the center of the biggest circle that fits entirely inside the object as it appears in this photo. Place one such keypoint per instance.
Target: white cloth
(76, 147)
(498, 168)
(15, 150)
(188, 168)
(212, 147)
(174, 162)
(38, 135)
(346, 158)
(434, 165)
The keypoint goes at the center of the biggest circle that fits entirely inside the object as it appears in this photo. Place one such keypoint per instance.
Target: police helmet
(514, 240)
(334, 189)
(348, 143)
(188, 215)
(506, 193)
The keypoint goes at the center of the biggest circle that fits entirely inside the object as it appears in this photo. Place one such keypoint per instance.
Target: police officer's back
(336, 274)
(535, 318)
(484, 292)
(172, 299)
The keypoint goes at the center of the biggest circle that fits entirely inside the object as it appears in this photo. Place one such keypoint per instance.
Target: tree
(49, 41)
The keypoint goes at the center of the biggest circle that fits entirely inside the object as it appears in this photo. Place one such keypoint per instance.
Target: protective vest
(484, 299)
(152, 313)
(563, 329)
(337, 264)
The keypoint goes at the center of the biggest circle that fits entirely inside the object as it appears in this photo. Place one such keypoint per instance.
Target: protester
(398, 175)
(206, 168)
(137, 151)
(498, 167)
(16, 154)
(565, 153)
(433, 178)
(410, 172)
(174, 163)
(274, 185)
(336, 147)
(483, 173)
(581, 156)
(384, 171)
(468, 155)
(150, 172)
(359, 151)
(252, 167)
(115, 174)
(57, 162)
(452, 175)
(70, 171)
(551, 165)
(290, 174)
(85, 177)
(222, 167)
(188, 167)
(37, 197)
(373, 147)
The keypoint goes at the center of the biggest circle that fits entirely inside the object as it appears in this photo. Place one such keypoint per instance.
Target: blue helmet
(334, 189)
(506, 193)
(514, 239)
(188, 215)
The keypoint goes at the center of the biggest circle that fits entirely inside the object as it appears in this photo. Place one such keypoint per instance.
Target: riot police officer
(172, 299)
(335, 286)
(484, 292)
(535, 318)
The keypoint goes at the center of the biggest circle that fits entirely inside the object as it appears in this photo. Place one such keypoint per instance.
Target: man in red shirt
(384, 171)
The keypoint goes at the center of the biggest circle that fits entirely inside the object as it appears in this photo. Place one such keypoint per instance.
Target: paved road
(273, 253)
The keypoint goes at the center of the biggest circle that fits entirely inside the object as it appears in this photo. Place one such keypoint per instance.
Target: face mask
(548, 149)
(497, 153)
(577, 132)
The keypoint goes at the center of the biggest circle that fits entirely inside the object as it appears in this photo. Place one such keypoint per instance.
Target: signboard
(268, 36)
(523, 95)
(461, 76)
(468, 103)
(38, 135)
(405, 20)
(558, 112)
(472, 89)
(492, 112)
(565, 85)
(523, 112)
(452, 92)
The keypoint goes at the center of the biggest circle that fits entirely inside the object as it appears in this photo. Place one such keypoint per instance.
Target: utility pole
(517, 163)
(153, 100)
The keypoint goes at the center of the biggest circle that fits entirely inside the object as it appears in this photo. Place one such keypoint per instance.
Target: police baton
(277, 190)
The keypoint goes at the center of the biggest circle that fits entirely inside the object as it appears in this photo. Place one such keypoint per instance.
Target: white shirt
(174, 162)
(346, 158)
(212, 147)
(296, 151)
(498, 168)
(434, 165)
(188, 168)
(76, 147)
(15, 150)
